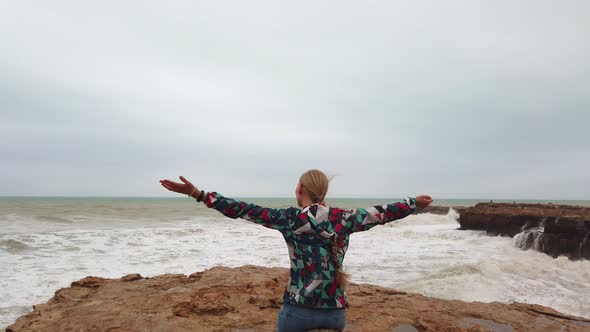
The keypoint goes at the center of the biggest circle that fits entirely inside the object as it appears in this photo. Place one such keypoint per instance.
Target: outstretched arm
(358, 220)
(279, 219)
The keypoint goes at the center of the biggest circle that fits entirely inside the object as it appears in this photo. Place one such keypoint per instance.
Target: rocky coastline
(248, 298)
(549, 228)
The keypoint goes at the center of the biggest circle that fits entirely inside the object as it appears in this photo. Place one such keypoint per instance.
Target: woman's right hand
(182, 188)
(423, 201)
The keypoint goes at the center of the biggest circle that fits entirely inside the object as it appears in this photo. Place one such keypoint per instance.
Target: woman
(317, 238)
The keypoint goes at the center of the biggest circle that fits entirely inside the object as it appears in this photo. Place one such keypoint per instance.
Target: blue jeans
(293, 318)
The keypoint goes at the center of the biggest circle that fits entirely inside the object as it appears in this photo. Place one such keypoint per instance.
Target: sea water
(46, 243)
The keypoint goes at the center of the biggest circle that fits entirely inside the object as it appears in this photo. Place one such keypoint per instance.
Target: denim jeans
(293, 318)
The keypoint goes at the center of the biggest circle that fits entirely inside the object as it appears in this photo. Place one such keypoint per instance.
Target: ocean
(46, 243)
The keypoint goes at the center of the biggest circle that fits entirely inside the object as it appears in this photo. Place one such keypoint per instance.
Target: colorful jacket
(308, 233)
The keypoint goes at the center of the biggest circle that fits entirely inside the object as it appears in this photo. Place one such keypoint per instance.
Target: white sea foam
(422, 253)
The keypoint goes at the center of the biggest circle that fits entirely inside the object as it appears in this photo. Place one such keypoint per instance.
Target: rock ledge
(553, 229)
(248, 298)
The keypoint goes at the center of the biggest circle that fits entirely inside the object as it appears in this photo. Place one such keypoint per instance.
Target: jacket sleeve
(279, 219)
(358, 220)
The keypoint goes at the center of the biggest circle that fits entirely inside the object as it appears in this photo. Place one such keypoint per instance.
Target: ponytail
(341, 276)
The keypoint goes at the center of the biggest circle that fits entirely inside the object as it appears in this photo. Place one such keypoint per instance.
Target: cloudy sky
(458, 99)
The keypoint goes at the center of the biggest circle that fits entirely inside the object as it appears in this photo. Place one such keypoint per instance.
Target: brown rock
(552, 229)
(248, 299)
(90, 282)
(132, 277)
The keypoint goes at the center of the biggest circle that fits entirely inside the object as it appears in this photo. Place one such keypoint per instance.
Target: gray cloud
(456, 99)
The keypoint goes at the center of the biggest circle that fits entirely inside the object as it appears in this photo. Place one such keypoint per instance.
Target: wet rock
(487, 324)
(404, 328)
(553, 229)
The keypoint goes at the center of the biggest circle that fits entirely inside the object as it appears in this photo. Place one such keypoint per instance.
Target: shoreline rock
(248, 298)
(549, 228)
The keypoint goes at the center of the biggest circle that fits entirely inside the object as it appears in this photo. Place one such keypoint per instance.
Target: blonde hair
(316, 184)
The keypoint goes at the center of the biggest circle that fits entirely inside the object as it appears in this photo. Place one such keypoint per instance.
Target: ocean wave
(530, 277)
(54, 219)
(451, 217)
(14, 246)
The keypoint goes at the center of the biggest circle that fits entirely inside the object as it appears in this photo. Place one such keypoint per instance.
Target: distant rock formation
(553, 229)
(248, 298)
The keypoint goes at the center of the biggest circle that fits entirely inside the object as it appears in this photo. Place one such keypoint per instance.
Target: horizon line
(283, 197)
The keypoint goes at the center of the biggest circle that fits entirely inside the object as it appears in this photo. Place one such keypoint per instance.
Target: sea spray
(529, 239)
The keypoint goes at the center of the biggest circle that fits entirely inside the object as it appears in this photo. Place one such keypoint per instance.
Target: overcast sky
(458, 99)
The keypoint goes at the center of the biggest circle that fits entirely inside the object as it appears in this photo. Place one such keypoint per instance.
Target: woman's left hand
(423, 201)
(182, 188)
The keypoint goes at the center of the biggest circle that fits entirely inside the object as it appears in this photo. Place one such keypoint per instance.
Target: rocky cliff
(249, 298)
(552, 229)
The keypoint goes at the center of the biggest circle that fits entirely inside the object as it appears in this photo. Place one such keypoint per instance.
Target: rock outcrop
(249, 298)
(552, 229)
